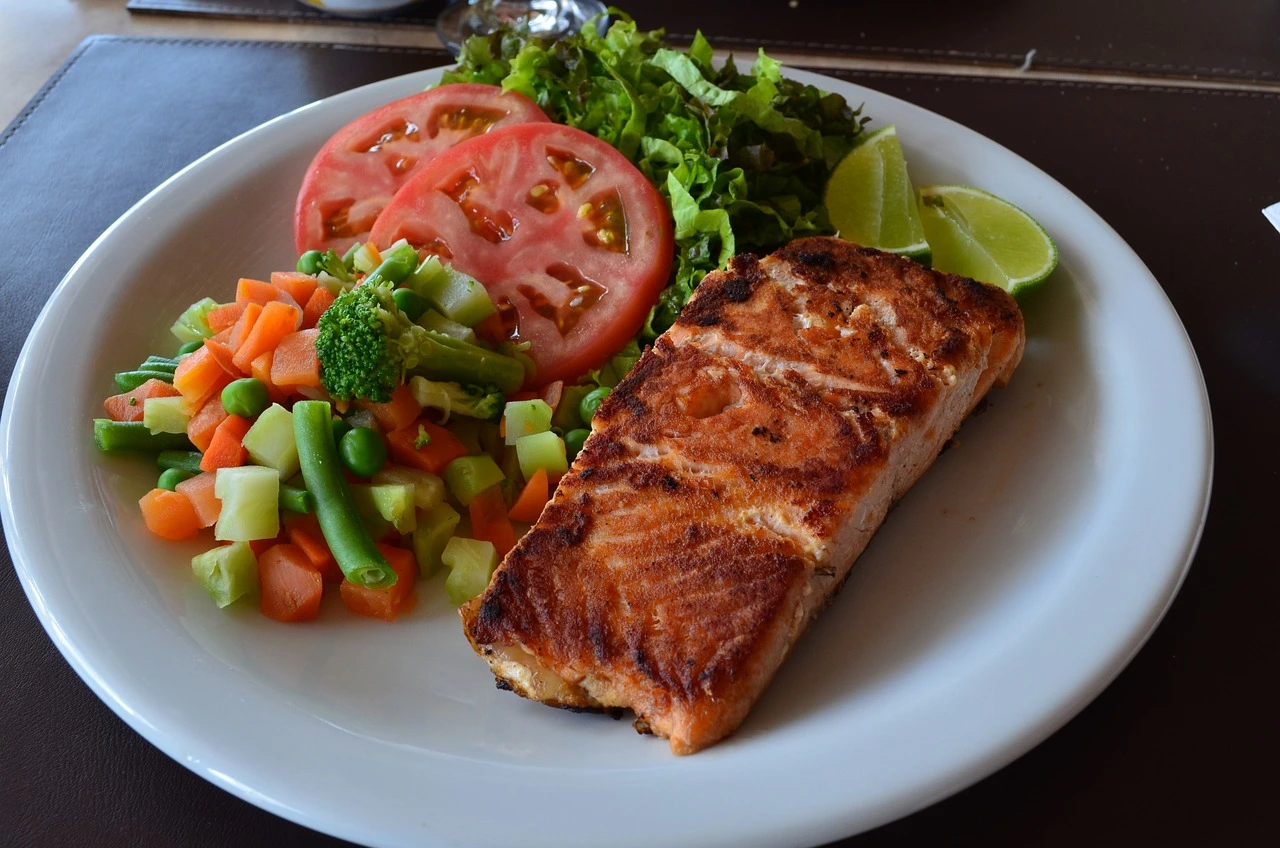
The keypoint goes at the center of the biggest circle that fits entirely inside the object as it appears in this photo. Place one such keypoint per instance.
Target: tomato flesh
(572, 242)
(361, 167)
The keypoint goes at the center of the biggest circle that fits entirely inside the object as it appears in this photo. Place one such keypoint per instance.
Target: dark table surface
(1230, 39)
(1179, 750)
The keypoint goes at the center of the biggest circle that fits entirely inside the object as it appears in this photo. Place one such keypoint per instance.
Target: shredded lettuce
(742, 158)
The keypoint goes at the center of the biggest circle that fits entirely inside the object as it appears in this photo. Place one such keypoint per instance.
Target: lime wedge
(976, 234)
(870, 199)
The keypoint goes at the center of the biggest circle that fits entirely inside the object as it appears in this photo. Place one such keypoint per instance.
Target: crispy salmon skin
(733, 477)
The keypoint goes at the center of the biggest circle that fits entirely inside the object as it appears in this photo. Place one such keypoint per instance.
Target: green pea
(573, 441)
(410, 303)
(340, 429)
(171, 477)
(190, 347)
(246, 397)
(363, 452)
(587, 408)
(309, 262)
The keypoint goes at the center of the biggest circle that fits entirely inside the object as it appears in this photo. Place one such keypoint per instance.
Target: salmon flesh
(733, 477)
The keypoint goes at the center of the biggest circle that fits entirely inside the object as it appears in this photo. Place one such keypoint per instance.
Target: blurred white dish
(358, 8)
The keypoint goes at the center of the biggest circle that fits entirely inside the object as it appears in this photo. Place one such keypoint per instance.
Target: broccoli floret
(367, 346)
(454, 398)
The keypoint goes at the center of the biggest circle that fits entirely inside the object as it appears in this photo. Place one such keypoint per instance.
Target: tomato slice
(571, 241)
(359, 169)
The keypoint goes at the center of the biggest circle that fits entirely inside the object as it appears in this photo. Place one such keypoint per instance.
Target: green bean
(133, 435)
(130, 380)
(171, 477)
(184, 460)
(296, 500)
(189, 347)
(159, 363)
(340, 429)
(344, 529)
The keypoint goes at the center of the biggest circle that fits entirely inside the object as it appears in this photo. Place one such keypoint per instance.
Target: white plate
(1004, 593)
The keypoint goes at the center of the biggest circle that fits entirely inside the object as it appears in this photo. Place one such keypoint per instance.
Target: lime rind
(871, 201)
(979, 235)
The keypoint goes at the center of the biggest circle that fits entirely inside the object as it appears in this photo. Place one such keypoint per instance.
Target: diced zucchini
(363, 259)
(541, 450)
(228, 572)
(382, 509)
(250, 498)
(432, 320)
(468, 476)
(270, 441)
(395, 503)
(428, 489)
(567, 416)
(191, 325)
(526, 417)
(450, 292)
(164, 415)
(435, 527)
(471, 564)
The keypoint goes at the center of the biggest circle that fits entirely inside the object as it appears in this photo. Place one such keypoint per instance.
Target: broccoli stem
(441, 357)
(344, 530)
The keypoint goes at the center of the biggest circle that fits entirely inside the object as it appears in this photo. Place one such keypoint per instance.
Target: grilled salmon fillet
(732, 478)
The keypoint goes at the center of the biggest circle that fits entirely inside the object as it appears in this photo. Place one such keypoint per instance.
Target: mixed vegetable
(376, 415)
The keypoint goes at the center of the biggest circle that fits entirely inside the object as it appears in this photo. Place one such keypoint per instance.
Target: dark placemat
(421, 15)
(1236, 39)
(1177, 751)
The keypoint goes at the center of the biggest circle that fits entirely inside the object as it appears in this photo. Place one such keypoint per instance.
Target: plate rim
(835, 826)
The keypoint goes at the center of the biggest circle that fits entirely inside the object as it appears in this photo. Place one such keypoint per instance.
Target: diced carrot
(225, 357)
(441, 448)
(296, 284)
(198, 376)
(244, 325)
(255, 291)
(296, 362)
(128, 406)
(304, 531)
(201, 427)
(261, 546)
(199, 490)
(226, 449)
(532, 498)
(489, 521)
(224, 316)
(169, 515)
(291, 585)
(551, 393)
(399, 412)
(320, 300)
(260, 369)
(387, 603)
(276, 321)
(224, 336)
